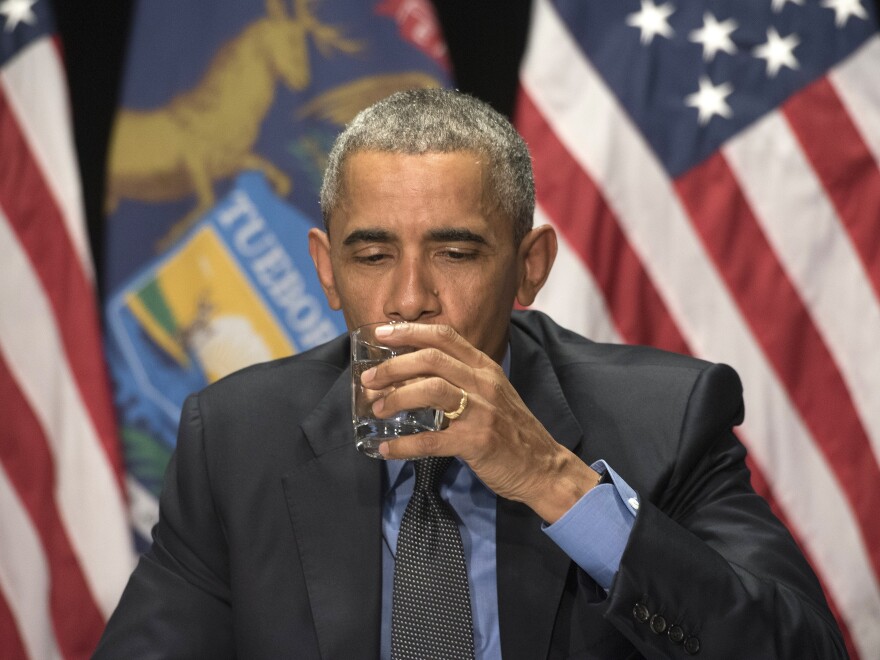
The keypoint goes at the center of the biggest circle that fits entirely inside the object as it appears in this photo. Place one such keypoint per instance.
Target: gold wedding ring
(455, 414)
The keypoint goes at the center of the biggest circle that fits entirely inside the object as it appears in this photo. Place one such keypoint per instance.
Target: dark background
(485, 39)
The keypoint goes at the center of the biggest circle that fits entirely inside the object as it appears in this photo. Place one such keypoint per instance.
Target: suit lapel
(335, 508)
(335, 499)
(532, 570)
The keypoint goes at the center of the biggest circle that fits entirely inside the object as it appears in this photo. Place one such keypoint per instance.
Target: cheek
(479, 307)
(358, 295)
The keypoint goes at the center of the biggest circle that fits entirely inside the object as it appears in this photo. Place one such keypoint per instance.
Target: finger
(426, 393)
(414, 367)
(426, 335)
(428, 443)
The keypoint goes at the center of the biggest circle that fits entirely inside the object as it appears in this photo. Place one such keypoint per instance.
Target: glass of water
(371, 431)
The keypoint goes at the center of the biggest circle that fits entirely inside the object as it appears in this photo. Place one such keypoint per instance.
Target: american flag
(712, 170)
(65, 544)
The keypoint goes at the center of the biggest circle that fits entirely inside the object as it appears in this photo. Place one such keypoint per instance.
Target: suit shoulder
(313, 371)
(565, 347)
(631, 372)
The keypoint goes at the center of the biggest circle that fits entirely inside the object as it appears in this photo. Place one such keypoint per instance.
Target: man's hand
(504, 444)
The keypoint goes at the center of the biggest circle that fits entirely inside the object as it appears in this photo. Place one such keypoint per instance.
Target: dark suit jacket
(269, 538)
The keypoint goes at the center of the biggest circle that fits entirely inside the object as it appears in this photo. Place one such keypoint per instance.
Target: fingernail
(384, 330)
(383, 449)
(368, 375)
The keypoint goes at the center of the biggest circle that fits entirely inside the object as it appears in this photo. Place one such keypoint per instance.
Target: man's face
(416, 240)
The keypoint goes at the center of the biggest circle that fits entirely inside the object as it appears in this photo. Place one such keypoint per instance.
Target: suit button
(640, 612)
(676, 634)
(658, 624)
(692, 645)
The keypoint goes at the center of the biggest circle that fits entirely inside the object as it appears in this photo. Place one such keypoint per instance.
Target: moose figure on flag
(208, 133)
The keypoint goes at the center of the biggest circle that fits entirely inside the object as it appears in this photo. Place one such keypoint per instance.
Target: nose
(413, 295)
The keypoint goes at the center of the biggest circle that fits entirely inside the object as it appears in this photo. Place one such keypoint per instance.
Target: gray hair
(422, 121)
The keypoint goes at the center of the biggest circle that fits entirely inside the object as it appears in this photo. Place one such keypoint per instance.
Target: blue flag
(227, 114)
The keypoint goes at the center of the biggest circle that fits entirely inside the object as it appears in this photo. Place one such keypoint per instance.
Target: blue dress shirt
(610, 507)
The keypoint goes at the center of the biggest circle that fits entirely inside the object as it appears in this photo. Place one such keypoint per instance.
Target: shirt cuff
(595, 531)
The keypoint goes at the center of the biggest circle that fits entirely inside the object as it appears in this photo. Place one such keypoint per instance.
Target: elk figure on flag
(215, 160)
(207, 133)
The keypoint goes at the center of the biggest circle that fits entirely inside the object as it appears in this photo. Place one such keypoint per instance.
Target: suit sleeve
(177, 601)
(708, 568)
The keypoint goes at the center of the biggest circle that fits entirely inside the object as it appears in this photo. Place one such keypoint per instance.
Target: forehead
(384, 187)
(427, 172)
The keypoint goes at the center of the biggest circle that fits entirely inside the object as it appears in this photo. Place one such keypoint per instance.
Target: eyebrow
(368, 236)
(450, 235)
(456, 235)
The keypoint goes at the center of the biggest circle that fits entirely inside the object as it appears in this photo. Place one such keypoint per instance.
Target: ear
(319, 248)
(537, 252)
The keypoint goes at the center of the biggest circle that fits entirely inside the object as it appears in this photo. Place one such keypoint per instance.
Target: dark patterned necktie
(431, 604)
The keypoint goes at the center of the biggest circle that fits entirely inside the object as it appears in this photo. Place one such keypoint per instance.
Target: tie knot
(429, 471)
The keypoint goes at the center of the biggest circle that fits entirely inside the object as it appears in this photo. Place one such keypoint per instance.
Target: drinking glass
(371, 431)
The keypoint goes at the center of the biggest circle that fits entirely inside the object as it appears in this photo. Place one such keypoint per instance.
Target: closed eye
(457, 254)
(371, 258)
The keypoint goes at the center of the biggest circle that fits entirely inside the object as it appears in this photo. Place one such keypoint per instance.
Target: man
(604, 507)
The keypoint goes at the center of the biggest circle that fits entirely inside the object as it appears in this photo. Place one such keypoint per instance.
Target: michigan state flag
(228, 110)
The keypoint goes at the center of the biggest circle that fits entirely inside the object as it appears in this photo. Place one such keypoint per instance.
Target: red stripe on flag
(765, 490)
(28, 461)
(558, 188)
(844, 164)
(36, 219)
(582, 215)
(782, 326)
(554, 189)
(13, 648)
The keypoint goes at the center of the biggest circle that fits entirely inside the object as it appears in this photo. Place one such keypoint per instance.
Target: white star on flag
(843, 9)
(714, 36)
(778, 51)
(652, 20)
(778, 5)
(18, 11)
(710, 100)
